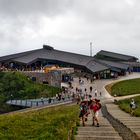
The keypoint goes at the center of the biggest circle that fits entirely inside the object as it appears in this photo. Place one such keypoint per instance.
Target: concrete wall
(53, 77)
(41, 77)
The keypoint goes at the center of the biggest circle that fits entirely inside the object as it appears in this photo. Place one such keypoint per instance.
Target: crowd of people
(84, 93)
(86, 96)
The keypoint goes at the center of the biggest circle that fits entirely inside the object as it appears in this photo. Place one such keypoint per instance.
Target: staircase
(104, 132)
(128, 126)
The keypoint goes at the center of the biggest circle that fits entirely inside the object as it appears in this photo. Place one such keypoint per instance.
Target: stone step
(101, 119)
(101, 122)
(137, 132)
(98, 133)
(119, 114)
(85, 137)
(94, 128)
(104, 132)
(129, 118)
(131, 124)
(90, 125)
(134, 127)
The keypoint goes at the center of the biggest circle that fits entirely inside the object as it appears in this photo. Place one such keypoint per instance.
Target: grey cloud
(16, 15)
(108, 23)
(33, 7)
(117, 11)
(94, 11)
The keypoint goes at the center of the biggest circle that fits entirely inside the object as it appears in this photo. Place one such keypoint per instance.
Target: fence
(38, 102)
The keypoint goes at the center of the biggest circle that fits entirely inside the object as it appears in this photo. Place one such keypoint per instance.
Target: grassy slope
(46, 124)
(124, 105)
(21, 87)
(123, 88)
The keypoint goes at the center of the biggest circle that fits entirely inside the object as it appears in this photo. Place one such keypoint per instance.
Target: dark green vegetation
(124, 105)
(15, 85)
(123, 88)
(53, 123)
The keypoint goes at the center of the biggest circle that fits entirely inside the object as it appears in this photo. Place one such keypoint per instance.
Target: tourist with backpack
(83, 111)
(95, 107)
(133, 106)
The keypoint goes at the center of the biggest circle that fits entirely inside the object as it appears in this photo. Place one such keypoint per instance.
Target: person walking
(95, 92)
(95, 107)
(90, 88)
(83, 111)
(133, 106)
(42, 100)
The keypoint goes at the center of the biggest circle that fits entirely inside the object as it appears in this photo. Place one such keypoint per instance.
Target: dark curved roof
(95, 66)
(118, 56)
(119, 65)
(18, 55)
(53, 55)
(49, 53)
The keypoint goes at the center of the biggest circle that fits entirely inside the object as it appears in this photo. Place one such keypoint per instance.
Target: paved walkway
(100, 86)
(131, 123)
(103, 132)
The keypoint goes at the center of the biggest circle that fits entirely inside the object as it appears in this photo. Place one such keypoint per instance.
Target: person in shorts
(133, 106)
(83, 111)
(95, 107)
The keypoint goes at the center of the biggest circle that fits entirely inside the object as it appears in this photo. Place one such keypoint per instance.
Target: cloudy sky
(70, 25)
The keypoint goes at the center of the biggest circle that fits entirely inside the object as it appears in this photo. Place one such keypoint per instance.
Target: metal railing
(38, 102)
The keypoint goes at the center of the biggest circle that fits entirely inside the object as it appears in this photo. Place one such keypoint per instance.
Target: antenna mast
(90, 48)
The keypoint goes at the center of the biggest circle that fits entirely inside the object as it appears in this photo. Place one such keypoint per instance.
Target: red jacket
(94, 107)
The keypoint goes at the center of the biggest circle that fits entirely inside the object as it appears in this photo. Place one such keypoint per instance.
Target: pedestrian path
(126, 120)
(104, 132)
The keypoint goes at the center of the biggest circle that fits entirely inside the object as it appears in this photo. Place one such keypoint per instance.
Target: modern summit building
(104, 64)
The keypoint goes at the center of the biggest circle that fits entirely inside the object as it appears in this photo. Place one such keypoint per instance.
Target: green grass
(21, 87)
(124, 105)
(45, 124)
(124, 88)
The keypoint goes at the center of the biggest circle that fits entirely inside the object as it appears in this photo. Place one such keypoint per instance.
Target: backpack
(134, 106)
(83, 110)
(99, 106)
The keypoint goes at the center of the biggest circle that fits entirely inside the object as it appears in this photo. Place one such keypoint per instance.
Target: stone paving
(130, 122)
(100, 86)
(106, 130)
